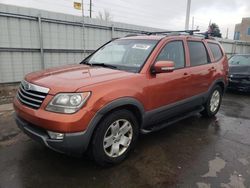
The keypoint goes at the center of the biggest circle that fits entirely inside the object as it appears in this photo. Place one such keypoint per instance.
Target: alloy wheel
(117, 138)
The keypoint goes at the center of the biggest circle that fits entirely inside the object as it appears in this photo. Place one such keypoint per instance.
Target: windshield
(240, 60)
(124, 54)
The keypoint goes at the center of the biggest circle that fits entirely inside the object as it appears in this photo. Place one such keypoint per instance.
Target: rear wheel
(213, 103)
(114, 137)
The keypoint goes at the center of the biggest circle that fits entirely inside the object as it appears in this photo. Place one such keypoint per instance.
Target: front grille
(31, 95)
(240, 77)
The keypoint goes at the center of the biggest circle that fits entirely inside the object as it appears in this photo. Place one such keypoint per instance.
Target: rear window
(216, 51)
(198, 53)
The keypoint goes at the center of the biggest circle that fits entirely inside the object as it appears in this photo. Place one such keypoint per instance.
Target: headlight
(67, 103)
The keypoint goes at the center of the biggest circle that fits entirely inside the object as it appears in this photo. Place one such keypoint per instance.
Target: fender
(121, 102)
(100, 114)
(216, 82)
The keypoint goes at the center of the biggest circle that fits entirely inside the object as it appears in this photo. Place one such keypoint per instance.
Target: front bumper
(239, 85)
(72, 143)
(64, 123)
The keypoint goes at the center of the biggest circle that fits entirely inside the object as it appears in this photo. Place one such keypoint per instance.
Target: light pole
(83, 29)
(187, 14)
(90, 8)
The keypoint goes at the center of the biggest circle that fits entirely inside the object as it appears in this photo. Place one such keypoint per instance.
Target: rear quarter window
(198, 53)
(216, 51)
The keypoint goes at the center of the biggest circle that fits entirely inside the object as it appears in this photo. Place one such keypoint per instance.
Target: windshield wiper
(85, 63)
(103, 65)
(99, 64)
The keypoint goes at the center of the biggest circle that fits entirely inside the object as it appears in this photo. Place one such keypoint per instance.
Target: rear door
(200, 70)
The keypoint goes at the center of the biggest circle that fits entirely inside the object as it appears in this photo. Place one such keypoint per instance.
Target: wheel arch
(128, 103)
(220, 82)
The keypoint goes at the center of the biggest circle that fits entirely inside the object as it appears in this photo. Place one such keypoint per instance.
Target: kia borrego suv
(131, 85)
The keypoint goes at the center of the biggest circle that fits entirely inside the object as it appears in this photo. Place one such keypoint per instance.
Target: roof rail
(190, 32)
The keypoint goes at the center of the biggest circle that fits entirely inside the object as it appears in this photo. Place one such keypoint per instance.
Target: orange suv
(131, 85)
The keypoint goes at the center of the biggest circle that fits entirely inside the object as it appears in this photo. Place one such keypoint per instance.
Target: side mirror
(163, 66)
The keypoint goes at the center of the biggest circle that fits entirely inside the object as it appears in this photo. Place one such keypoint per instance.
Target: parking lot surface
(195, 152)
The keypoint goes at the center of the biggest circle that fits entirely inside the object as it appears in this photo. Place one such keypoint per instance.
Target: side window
(173, 51)
(216, 51)
(198, 53)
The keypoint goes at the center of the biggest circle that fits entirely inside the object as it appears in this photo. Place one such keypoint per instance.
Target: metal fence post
(112, 31)
(234, 46)
(83, 37)
(242, 48)
(41, 40)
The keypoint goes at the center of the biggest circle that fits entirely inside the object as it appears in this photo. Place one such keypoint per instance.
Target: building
(242, 30)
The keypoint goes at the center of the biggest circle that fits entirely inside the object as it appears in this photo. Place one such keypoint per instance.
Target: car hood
(72, 77)
(238, 69)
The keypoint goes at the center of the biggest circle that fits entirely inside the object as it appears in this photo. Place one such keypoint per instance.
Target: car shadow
(158, 160)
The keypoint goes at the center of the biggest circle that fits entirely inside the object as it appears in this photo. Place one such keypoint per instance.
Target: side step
(172, 121)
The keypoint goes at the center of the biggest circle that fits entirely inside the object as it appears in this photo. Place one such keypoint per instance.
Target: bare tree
(105, 15)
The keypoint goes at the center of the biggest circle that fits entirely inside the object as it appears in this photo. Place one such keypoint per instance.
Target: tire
(114, 137)
(213, 102)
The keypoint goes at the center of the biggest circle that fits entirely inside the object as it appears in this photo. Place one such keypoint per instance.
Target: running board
(172, 121)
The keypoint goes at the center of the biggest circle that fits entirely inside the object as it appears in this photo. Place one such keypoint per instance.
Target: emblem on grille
(26, 86)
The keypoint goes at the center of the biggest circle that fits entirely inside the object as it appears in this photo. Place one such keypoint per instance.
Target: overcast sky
(155, 13)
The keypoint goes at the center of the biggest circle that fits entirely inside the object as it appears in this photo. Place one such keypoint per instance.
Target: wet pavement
(196, 152)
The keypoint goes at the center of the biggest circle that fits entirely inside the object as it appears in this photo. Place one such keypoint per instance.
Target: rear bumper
(72, 143)
(238, 85)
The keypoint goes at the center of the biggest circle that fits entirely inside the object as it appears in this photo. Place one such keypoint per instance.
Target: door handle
(185, 75)
(212, 68)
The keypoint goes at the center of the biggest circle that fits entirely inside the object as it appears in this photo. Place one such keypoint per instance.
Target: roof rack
(206, 35)
(190, 32)
(196, 32)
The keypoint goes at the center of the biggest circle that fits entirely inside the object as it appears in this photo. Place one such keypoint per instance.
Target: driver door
(167, 90)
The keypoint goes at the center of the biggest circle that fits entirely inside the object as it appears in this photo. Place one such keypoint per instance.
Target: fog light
(56, 136)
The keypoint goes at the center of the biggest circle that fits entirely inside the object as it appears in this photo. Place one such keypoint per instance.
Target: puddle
(215, 166)
(235, 181)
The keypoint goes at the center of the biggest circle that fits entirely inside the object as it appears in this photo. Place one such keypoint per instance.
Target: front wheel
(213, 103)
(114, 137)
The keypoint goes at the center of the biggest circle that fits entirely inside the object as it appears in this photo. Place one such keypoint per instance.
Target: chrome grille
(31, 95)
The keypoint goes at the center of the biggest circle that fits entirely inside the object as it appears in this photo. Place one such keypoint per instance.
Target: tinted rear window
(216, 51)
(198, 53)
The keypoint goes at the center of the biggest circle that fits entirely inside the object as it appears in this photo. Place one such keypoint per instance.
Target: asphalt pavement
(196, 152)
